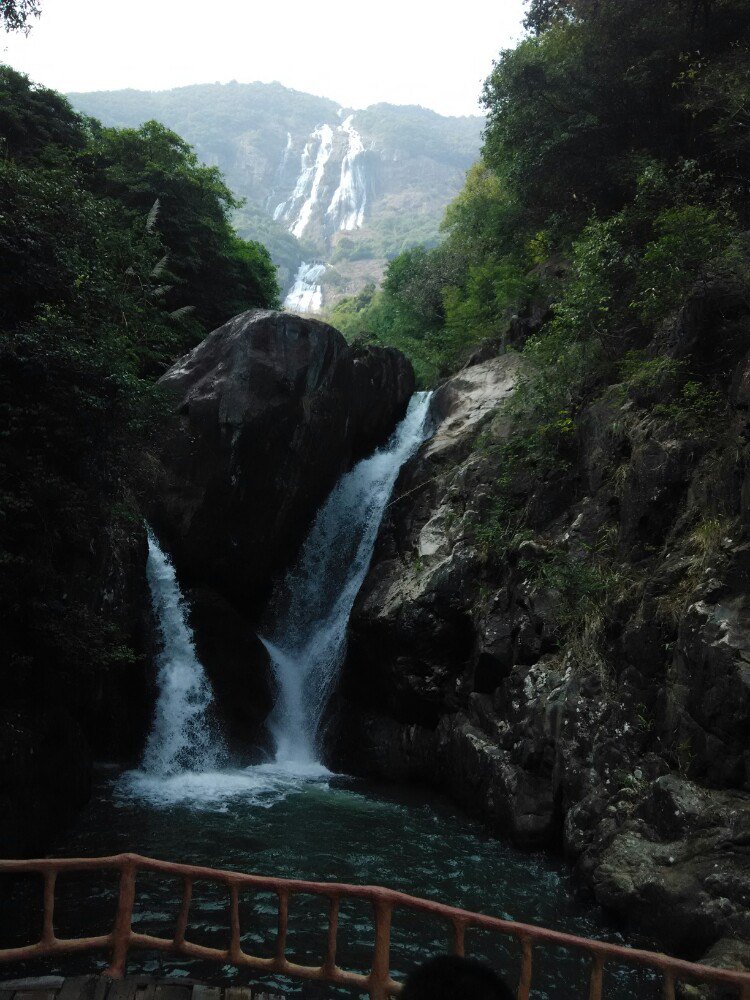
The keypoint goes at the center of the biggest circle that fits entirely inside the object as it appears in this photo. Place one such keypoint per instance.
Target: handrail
(378, 983)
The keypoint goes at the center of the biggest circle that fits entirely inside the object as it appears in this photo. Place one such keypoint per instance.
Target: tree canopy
(617, 134)
(117, 256)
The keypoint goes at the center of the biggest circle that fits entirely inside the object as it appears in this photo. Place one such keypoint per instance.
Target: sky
(400, 51)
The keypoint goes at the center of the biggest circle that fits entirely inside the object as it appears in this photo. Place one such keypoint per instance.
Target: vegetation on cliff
(559, 603)
(616, 148)
(603, 236)
(117, 256)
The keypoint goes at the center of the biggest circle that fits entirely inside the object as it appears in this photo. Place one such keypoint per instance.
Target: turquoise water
(319, 827)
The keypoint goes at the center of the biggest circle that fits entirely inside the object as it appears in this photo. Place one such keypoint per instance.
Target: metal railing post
(48, 920)
(597, 978)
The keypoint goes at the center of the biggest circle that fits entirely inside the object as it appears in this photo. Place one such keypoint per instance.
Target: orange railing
(378, 983)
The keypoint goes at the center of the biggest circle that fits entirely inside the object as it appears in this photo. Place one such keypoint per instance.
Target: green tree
(214, 271)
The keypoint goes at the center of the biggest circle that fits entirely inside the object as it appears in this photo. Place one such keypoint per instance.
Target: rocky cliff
(321, 183)
(620, 738)
(271, 409)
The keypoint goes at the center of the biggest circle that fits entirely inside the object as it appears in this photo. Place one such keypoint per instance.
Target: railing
(378, 983)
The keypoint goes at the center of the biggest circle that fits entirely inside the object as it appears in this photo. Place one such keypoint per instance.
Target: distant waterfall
(183, 737)
(349, 200)
(306, 294)
(308, 642)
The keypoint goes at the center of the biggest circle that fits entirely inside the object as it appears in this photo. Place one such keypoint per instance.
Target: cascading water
(306, 294)
(347, 208)
(185, 758)
(308, 641)
(183, 736)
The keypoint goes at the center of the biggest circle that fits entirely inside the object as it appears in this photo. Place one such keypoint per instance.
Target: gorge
(443, 683)
(450, 591)
(191, 794)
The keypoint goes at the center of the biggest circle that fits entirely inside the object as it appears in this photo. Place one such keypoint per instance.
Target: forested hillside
(613, 179)
(117, 256)
(297, 160)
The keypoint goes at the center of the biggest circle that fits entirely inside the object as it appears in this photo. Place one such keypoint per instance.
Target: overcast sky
(402, 51)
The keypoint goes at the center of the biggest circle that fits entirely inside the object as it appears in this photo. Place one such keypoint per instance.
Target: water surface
(324, 827)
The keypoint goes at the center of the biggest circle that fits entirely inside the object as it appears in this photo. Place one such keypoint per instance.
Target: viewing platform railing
(378, 983)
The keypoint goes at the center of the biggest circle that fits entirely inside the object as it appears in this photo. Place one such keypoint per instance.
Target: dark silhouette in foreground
(449, 977)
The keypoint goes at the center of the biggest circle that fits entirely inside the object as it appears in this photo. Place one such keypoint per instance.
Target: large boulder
(272, 408)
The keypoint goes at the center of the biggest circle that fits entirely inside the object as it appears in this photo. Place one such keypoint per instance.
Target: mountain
(332, 192)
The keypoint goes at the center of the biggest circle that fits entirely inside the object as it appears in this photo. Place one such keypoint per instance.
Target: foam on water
(261, 785)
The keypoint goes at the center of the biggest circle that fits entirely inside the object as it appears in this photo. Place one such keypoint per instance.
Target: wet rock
(411, 635)
(686, 853)
(272, 408)
(237, 664)
(709, 701)
(728, 953)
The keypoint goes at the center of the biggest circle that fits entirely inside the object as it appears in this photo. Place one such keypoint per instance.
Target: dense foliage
(610, 210)
(117, 256)
(616, 148)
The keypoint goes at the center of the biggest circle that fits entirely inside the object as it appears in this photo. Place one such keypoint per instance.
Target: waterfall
(298, 209)
(185, 760)
(347, 206)
(183, 736)
(306, 294)
(308, 641)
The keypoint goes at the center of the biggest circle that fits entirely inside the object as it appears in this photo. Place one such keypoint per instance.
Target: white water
(185, 760)
(308, 642)
(183, 737)
(346, 209)
(306, 294)
(347, 206)
(298, 209)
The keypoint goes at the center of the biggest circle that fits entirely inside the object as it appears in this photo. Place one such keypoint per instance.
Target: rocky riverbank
(622, 740)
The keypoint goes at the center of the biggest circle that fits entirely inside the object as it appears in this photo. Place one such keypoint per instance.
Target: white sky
(402, 51)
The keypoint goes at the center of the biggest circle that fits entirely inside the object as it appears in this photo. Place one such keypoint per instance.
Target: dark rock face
(411, 625)
(113, 706)
(684, 853)
(236, 662)
(272, 409)
(45, 773)
(54, 723)
(625, 743)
